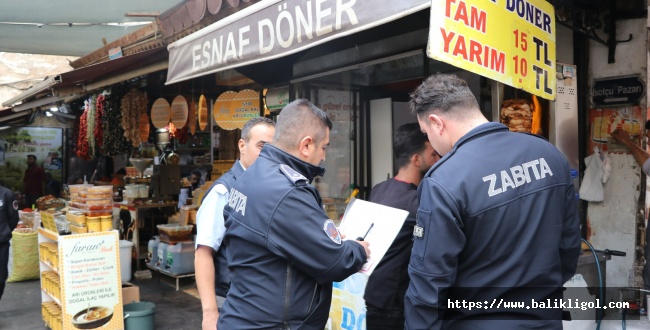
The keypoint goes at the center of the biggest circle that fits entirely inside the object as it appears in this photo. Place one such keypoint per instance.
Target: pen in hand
(364, 236)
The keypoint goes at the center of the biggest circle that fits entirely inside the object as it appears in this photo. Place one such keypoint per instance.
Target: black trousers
(384, 319)
(4, 261)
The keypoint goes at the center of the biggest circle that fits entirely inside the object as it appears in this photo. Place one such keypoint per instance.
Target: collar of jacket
(280, 156)
(481, 130)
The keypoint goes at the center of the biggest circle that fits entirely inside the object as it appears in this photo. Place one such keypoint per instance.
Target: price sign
(511, 41)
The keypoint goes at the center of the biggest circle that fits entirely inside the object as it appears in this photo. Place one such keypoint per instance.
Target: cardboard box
(130, 293)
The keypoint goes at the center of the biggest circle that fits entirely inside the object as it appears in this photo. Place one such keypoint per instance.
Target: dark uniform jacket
(282, 260)
(497, 222)
(8, 214)
(222, 274)
(388, 282)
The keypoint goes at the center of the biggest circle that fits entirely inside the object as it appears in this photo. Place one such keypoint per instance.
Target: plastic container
(161, 258)
(152, 251)
(174, 233)
(94, 224)
(139, 316)
(125, 260)
(78, 229)
(180, 258)
(106, 222)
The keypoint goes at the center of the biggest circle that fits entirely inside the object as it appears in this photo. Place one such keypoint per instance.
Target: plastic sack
(591, 188)
(24, 254)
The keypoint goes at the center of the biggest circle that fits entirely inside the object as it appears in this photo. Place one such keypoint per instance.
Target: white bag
(591, 188)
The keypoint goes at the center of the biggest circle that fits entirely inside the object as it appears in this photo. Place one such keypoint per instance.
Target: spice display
(99, 113)
(133, 104)
(83, 150)
(114, 140)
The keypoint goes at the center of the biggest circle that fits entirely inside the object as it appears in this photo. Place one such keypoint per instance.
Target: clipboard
(383, 221)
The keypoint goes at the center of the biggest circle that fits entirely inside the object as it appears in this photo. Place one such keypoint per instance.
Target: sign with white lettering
(271, 29)
(91, 291)
(615, 91)
(511, 41)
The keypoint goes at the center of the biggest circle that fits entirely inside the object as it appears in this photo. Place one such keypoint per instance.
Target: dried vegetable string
(114, 140)
(99, 113)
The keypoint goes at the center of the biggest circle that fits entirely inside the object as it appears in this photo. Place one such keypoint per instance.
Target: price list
(511, 41)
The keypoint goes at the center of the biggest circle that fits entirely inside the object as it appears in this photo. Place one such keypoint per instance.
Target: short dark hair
(246, 130)
(408, 140)
(443, 93)
(297, 120)
(197, 173)
(33, 156)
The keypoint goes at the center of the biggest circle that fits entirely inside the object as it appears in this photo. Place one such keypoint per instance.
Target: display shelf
(49, 234)
(55, 299)
(176, 276)
(51, 267)
(82, 257)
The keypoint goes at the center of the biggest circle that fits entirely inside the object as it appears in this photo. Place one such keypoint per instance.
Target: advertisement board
(510, 41)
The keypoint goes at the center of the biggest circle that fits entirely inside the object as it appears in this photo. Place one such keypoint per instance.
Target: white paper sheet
(386, 222)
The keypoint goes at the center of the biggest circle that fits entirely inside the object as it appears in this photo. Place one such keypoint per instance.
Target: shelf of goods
(90, 209)
(80, 280)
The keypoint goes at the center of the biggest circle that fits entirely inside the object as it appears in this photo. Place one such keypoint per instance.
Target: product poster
(17, 143)
(338, 106)
(602, 122)
(91, 291)
(348, 309)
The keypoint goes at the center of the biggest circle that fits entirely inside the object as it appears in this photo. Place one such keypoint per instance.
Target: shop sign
(510, 41)
(277, 98)
(616, 91)
(232, 110)
(179, 112)
(271, 29)
(91, 291)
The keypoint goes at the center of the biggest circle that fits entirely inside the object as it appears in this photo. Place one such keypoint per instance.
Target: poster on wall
(602, 122)
(16, 143)
(338, 106)
(91, 291)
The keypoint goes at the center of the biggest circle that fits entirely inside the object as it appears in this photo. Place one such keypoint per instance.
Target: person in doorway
(8, 222)
(212, 276)
(195, 180)
(497, 220)
(642, 157)
(282, 256)
(387, 284)
(34, 181)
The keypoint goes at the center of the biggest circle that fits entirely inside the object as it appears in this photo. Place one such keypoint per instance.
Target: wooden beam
(129, 39)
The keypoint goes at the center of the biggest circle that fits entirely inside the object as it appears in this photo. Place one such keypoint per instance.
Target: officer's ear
(305, 144)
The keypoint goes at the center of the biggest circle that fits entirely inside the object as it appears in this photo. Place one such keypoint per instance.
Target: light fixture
(47, 113)
(54, 109)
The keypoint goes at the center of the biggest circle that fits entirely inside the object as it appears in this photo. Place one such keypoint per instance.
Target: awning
(271, 29)
(43, 85)
(133, 65)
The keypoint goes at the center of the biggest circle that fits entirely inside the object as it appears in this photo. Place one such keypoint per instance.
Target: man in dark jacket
(387, 284)
(212, 274)
(497, 221)
(8, 221)
(281, 255)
